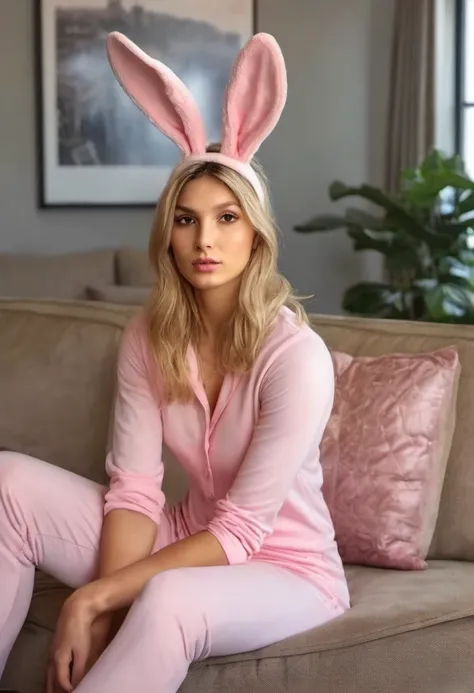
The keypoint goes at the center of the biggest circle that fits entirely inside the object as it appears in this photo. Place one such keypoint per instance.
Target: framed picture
(96, 148)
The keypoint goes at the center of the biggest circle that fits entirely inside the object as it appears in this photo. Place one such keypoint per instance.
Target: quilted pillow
(385, 451)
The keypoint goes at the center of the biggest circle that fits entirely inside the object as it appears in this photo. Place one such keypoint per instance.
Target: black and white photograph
(96, 146)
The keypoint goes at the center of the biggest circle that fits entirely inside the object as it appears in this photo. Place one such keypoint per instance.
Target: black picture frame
(80, 164)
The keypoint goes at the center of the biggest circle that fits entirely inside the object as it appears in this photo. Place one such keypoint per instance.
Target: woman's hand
(81, 636)
(101, 635)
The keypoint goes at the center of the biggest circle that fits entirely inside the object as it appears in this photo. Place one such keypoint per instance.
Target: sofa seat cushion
(407, 633)
(385, 603)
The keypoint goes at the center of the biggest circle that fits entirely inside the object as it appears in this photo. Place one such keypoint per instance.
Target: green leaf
(364, 239)
(467, 256)
(450, 303)
(453, 269)
(455, 163)
(466, 204)
(432, 163)
(359, 217)
(372, 299)
(448, 227)
(467, 218)
(402, 261)
(401, 256)
(322, 222)
(425, 284)
(409, 176)
(436, 162)
(397, 213)
(426, 191)
(449, 179)
(421, 195)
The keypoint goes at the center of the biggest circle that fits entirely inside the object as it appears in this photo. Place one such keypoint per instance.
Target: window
(465, 82)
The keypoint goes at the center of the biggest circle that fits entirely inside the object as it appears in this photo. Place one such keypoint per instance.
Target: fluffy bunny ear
(159, 93)
(255, 97)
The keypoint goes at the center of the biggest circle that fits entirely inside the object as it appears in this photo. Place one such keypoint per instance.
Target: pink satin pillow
(385, 451)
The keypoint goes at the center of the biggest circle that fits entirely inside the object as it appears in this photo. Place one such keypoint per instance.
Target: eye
(228, 217)
(184, 220)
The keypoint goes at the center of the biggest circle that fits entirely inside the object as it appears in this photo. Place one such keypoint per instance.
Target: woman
(222, 366)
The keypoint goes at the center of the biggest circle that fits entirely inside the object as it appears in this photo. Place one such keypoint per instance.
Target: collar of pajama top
(253, 466)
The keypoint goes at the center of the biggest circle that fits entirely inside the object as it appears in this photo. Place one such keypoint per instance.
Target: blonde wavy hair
(171, 314)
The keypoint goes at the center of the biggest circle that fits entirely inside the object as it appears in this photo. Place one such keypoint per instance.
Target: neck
(216, 309)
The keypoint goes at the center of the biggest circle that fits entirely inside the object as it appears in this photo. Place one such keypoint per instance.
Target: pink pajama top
(253, 466)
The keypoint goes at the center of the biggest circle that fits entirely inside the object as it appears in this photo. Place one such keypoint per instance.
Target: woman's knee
(14, 472)
(174, 596)
(169, 591)
(170, 604)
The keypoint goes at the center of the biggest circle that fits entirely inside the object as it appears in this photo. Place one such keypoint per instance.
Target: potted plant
(426, 235)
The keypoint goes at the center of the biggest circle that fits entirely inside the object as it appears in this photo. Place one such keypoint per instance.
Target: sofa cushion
(55, 276)
(116, 293)
(57, 375)
(133, 267)
(437, 659)
(25, 671)
(430, 660)
(454, 534)
(406, 631)
(384, 456)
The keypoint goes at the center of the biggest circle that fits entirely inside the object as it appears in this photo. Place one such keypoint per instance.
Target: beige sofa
(408, 632)
(115, 275)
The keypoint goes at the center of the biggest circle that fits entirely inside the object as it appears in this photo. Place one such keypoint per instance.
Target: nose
(205, 234)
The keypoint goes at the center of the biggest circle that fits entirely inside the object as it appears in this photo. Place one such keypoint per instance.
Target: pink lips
(206, 265)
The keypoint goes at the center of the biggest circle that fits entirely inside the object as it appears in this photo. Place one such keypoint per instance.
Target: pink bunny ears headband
(253, 102)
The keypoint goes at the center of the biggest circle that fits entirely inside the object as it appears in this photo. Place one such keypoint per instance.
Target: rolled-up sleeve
(296, 400)
(134, 463)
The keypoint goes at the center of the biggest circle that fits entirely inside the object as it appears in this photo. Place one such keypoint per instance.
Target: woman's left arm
(296, 402)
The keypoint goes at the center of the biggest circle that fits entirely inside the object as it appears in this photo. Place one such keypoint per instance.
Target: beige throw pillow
(124, 295)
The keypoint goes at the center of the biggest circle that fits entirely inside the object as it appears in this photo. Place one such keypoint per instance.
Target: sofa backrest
(454, 535)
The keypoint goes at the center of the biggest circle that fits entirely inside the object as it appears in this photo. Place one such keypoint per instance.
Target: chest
(212, 382)
(211, 448)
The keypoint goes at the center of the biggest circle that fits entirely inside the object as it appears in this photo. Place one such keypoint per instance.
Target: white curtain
(411, 121)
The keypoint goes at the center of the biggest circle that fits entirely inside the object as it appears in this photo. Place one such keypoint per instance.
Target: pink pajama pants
(52, 519)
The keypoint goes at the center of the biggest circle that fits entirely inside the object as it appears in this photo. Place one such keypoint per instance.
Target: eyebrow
(190, 210)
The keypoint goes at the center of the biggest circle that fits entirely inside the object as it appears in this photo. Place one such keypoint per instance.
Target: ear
(255, 97)
(159, 93)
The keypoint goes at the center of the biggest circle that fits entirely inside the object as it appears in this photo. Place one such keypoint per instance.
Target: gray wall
(337, 54)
